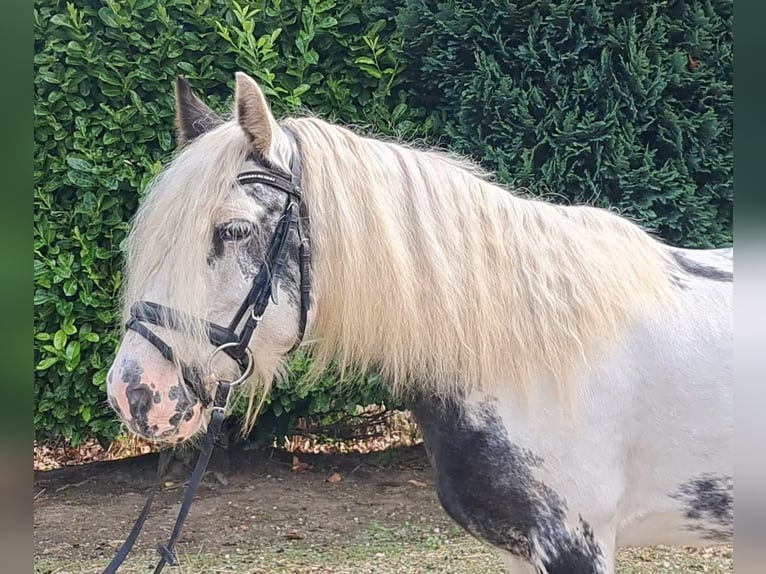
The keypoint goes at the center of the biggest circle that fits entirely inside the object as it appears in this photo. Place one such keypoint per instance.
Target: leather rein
(228, 340)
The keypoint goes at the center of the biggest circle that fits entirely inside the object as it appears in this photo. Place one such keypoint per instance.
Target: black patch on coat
(183, 408)
(699, 270)
(183, 402)
(218, 248)
(250, 254)
(139, 395)
(678, 279)
(486, 484)
(578, 558)
(709, 504)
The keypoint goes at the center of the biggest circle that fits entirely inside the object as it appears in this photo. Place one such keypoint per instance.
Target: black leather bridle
(262, 291)
(227, 340)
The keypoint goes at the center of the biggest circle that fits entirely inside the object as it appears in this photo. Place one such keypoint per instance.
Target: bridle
(227, 340)
(262, 291)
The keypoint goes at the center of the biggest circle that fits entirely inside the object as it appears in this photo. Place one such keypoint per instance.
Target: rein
(227, 340)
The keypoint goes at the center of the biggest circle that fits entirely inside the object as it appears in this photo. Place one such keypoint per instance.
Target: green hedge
(622, 103)
(626, 103)
(103, 126)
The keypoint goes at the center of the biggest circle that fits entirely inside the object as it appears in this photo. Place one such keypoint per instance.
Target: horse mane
(422, 268)
(445, 282)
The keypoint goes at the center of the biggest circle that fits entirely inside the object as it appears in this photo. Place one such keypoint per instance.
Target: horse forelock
(426, 271)
(170, 238)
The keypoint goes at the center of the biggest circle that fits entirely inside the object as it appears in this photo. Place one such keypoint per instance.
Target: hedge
(103, 127)
(627, 104)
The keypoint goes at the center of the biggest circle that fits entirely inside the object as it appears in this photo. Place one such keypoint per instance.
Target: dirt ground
(260, 512)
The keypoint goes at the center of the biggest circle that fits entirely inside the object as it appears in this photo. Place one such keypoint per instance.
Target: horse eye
(235, 230)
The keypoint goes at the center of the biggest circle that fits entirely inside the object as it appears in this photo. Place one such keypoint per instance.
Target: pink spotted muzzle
(154, 403)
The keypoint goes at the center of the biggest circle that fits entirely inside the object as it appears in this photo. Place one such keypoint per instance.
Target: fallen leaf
(334, 478)
(293, 535)
(299, 466)
(169, 483)
(417, 483)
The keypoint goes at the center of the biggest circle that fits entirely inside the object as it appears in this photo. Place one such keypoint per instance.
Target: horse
(570, 372)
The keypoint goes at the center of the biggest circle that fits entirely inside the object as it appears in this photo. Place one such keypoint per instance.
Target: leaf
(300, 90)
(311, 57)
(59, 340)
(334, 478)
(399, 112)
(108, 17)
(365, 60)
(327, 23)
(72, 350)
(79, 164)
(46, 363)
(293, 535)
(299, 466)
(374, 72)
(70, 287)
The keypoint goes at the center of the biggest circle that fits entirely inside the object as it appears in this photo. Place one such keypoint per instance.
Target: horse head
(216, 267)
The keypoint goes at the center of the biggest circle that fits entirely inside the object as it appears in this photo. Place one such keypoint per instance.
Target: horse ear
(254, 115)
(193, 116)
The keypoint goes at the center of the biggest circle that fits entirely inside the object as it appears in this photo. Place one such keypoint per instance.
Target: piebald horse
(571, 374)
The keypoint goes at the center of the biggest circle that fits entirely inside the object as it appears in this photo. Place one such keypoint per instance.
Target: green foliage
(294, 398)
(625, 104)
(104, 116)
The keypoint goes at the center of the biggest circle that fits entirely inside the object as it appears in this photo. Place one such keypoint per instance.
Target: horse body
(572, 376)
(641, 459)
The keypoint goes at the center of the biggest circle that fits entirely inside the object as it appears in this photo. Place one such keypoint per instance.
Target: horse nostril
(139, 400)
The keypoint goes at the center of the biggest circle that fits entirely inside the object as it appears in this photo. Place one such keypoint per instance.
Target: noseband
(227, 340)
(262, 291)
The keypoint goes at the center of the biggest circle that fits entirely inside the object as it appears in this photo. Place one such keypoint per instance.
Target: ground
(265, 512)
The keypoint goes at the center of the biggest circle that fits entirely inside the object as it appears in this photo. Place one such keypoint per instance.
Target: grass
(409, 549)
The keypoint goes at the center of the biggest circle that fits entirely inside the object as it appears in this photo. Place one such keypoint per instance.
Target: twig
(60, 488)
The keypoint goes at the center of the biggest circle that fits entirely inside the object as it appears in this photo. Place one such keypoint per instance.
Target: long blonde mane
(422, 269)
(429, 273)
